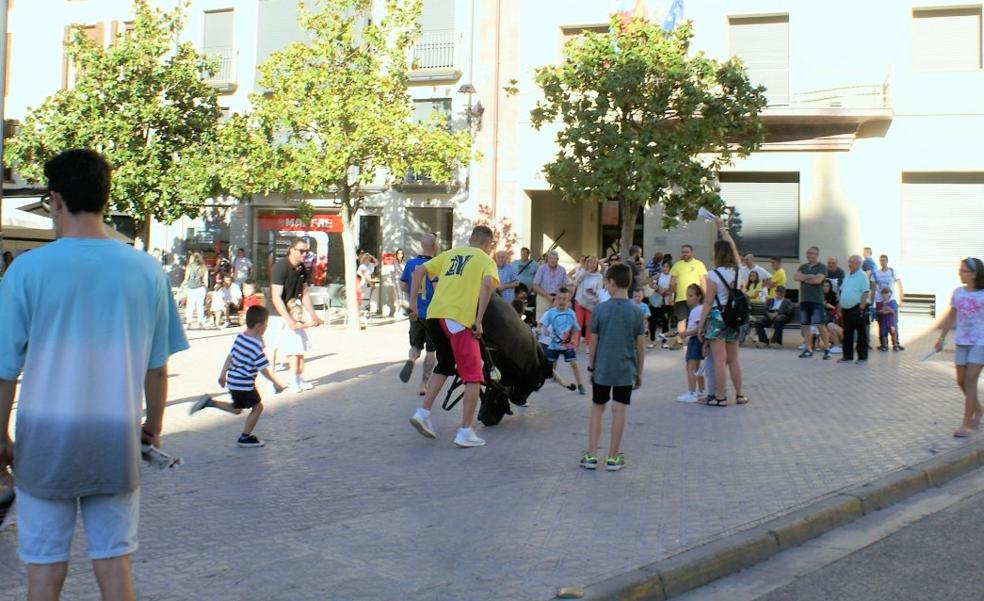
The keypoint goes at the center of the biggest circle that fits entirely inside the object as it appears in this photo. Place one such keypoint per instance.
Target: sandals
(741, 400)
(962, 432)
(714, 401)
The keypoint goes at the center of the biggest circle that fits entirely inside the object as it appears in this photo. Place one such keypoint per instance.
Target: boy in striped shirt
(245, 360)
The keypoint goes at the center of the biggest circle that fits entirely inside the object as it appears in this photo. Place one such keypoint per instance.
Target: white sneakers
(689, 397)
(299, 385)
(465, 438)
(421, 421)
(836, 350)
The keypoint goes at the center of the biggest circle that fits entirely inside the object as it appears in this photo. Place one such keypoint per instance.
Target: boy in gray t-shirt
(617, 349)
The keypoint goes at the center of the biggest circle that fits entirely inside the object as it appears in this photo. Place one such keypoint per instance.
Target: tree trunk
(629, 212)
(348, 253)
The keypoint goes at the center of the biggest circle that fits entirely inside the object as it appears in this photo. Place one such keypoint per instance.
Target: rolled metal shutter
(767, 205)
(942, 216)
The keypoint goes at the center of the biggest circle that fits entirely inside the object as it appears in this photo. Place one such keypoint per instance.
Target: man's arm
(415, 281)
(484, 296)
(8, 388)
(306, 301)
(901, 293)
(155, 391)
(276, 297)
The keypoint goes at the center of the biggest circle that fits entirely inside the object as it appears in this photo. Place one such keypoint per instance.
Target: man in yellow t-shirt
(467, 277)
(685, 272)
(778, 277)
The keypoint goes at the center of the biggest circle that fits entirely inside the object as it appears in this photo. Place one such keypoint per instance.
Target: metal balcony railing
(435, 50)
(866, 96)
(225, 72)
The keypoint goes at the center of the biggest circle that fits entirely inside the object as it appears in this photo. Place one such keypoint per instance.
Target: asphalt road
(937, 558)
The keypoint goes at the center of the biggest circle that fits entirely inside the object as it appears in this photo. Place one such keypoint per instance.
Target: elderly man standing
(549, 278)
(854, 299)
(508, 280)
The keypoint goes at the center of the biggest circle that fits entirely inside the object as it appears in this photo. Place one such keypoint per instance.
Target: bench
(759, 310)
(919, 304)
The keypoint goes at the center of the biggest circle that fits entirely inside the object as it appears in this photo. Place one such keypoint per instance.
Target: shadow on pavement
(347, 374)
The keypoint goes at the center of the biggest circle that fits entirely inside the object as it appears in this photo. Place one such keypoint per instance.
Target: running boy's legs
(252, 418)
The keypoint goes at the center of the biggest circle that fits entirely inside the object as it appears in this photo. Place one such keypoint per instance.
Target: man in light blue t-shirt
(90, 343)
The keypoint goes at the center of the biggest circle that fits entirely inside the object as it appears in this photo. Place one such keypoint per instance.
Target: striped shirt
(248, 358)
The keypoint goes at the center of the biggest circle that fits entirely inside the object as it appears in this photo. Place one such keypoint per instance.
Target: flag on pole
(673, 16)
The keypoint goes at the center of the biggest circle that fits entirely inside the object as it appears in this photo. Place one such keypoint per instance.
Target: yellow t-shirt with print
(687, 273)
(460, 272)
(778, 279)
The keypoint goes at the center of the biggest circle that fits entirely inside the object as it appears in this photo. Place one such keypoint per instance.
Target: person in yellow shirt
(778, 277)
(467, 278)
(685, 272)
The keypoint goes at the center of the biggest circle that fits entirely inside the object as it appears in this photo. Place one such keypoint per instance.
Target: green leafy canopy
(335, 114)
(143, 104)
(643, 122)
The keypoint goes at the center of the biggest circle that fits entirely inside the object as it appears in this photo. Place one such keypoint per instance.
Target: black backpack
(737, 311)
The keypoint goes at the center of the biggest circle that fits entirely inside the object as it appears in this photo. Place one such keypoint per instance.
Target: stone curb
(701, 565)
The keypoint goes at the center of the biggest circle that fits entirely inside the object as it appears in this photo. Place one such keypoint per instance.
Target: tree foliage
(145, 106)
(335, 116)
(644, 123)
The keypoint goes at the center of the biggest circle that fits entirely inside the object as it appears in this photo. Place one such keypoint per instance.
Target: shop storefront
(276, 229)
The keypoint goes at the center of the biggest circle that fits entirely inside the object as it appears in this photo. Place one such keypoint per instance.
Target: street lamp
(474, 113)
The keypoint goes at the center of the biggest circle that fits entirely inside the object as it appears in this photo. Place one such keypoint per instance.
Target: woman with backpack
(724, 304)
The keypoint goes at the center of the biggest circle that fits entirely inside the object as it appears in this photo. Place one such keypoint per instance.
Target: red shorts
(458, 352)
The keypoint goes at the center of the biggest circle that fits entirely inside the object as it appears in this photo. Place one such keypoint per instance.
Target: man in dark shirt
(835, 274)
(289, 286)
(810, 276)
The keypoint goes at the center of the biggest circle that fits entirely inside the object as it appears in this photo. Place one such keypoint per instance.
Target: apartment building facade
(874, 119)
(240, 35)
(874, 125)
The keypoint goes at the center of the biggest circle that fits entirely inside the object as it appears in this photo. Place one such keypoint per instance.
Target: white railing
(225, 71)
(850, 96)
(435, 50)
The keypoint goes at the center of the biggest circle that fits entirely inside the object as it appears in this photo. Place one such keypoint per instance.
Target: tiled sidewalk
(348, 502)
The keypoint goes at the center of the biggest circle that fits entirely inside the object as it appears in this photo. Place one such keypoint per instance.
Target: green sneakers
(615, 463)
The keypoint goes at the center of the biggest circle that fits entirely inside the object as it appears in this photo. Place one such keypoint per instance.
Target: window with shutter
(946, 39)
(763, 44)
(766, 211)
(942, 215)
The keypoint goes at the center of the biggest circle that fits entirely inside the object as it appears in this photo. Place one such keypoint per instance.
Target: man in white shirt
(242, 268)
(747, 266)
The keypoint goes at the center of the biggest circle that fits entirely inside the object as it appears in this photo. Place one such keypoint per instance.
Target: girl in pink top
(966, 316)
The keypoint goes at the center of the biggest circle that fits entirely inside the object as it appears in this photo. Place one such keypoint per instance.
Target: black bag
(737, 311)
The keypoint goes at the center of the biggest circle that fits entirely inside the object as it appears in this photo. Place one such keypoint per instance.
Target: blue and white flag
(673, 16)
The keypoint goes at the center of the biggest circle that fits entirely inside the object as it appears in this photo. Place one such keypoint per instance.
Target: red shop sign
(291, 222)
(389, 258)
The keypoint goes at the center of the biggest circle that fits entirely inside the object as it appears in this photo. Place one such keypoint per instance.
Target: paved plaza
(348, 502)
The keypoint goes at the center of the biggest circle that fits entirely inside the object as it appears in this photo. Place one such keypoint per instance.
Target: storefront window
(275, 230)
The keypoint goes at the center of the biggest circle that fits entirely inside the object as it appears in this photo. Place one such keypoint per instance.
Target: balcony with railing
(434, 57)
(224, 77)
(830, 114)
